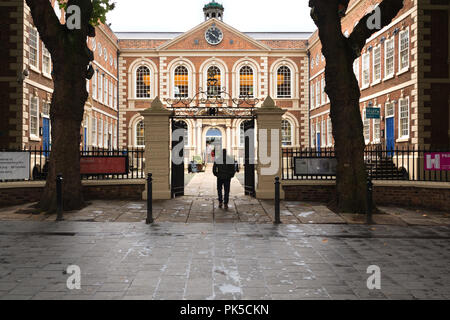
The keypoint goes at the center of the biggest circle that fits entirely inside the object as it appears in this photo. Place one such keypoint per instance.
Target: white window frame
(376, 134)
(291, 86)
(356, 70)
(292, 133)
(313, 135)
(406, 68)
(323, 136)
(366, 69)
(111, 105)
(45, 54)
(313, 97)
(318, 94)
(100, 134)
(135, 134)
(391, 74)
(94, 86)
(376, 80)
(100, 88)
(34, 67)
(34, 135)
(115, 136)
(105, 90)
(94, 132)
(329, 132)
(150, 74)
(324, 94)
(400, 133)
(254, 75)
(366, 122)
(105, 133)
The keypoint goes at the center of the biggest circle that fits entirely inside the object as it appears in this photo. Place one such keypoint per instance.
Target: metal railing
(39, 162)
(406, 163)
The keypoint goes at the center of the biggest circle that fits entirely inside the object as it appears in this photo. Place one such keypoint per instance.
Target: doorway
(213, 144)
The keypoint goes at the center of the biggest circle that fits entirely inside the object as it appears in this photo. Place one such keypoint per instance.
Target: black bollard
(277, 201)
(59, 198)
(369, 200)
(149, 199)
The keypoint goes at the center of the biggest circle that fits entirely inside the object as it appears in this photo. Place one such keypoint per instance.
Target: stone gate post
(157, 148)
(269, 121)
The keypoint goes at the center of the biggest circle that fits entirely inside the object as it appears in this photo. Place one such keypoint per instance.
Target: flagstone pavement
(200, 205)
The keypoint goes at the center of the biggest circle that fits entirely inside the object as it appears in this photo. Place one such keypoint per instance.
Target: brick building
(398, 72)
(26, 84)
(403, 70)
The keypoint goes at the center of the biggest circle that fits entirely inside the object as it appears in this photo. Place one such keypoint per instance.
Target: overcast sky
(183, 15)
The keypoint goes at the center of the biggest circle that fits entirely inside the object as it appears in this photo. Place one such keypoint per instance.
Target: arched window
(140, 140)
(284, 82)
(246, 82)
(143, 89)
(181, 82)
(214, 82)
(286, 133)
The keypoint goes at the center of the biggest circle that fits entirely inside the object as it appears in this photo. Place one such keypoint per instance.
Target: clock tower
(213, 10)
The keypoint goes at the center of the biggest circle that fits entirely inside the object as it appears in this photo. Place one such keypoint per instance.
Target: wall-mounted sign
(315, 166)
(373, 113)
(98, 165)
(14, 165)
(437, 161)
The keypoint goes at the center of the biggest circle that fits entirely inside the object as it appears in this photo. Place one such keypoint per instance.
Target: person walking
(224, 169)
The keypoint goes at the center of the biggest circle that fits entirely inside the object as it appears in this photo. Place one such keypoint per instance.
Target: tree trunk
(344, 93)
(70, 58)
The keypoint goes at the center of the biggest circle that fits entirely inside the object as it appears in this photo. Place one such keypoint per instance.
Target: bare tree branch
(388, 9)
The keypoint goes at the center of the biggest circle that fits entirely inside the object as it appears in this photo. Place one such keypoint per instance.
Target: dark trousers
(225, 183)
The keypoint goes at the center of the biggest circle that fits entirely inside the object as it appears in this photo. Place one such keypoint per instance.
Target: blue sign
(373, 113)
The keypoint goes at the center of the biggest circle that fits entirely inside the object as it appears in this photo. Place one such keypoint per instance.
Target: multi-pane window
(329, 132)
(100, 133)
(214, 82)
(284, 82)
(34, 117)
(404, 117)
(46, 109)
(105, 134)
(181, 84)
(366, 69)
(313, 100)
(115, 136)
(318, 93)
(246, 82)
(46, 61)
(100, 88)
(376, 130)
(377, 64)
(324, 95)
(389, 58)
(34, 48)
(143, 83)
(323, 142)
(286, 133)
(390, 111)
(140, 140)
(313, 135)
(115, 97)
(105, 97)
(366, 123)
(94, 132)
(404, 49)
(356, 69)
(94, 86)
(111, 94)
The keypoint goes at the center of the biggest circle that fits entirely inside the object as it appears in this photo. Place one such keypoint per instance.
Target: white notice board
(14, 165)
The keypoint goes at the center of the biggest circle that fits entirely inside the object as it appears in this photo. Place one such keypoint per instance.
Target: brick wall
(417, 195)
(22, 195)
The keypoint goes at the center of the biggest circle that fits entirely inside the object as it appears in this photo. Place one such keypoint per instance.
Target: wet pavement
(222, 261)
(200, 205)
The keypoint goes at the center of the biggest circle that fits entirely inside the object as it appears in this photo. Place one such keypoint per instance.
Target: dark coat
(224, 170)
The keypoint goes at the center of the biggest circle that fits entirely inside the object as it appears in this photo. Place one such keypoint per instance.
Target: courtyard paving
(222, 261)
(200, 205)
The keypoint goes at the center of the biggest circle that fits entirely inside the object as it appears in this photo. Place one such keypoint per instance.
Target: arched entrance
(213, 144)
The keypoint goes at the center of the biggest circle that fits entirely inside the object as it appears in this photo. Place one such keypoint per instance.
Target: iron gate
(249, 164)
(177, 185)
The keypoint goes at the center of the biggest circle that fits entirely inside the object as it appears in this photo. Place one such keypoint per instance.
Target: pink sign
(437, 161)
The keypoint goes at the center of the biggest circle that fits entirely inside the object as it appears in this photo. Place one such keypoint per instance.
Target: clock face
(214, 35)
